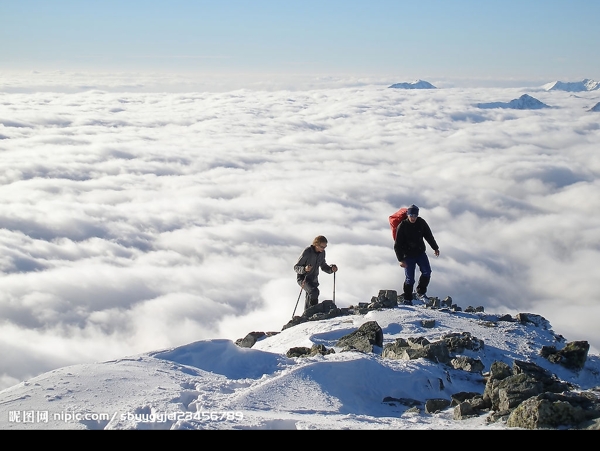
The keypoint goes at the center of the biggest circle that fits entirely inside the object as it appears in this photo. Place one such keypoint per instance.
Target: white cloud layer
(134, 221)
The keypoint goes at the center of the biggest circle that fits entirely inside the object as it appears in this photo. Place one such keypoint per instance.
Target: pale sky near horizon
(546, 40)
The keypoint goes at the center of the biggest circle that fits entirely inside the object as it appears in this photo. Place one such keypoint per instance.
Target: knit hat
(413, 210)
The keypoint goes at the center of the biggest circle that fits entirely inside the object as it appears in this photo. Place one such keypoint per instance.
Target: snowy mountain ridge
(577, 86)
(215, 384)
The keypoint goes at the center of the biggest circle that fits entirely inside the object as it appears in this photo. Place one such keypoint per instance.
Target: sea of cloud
(134, 221)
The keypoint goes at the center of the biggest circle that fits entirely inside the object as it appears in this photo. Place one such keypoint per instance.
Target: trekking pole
(334, 288)
(299, 294)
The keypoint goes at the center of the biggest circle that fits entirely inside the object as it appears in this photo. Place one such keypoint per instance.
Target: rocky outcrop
(524, 396)
(552, 410)
(506, 389)
(529, 397)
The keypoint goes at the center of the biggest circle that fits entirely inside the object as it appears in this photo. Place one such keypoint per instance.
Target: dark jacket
(313, 258)
(409, 239)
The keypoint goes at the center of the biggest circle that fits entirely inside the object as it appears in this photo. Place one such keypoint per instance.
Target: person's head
(320, 243)
(413, 213)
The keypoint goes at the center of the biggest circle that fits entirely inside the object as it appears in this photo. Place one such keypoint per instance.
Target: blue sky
(526, 39)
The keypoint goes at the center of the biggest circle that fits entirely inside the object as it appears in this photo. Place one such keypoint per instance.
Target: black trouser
(311, 287)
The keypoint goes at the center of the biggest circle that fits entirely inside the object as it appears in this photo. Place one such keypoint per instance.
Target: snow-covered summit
(215, 384)
(576, 86)
(416, 84)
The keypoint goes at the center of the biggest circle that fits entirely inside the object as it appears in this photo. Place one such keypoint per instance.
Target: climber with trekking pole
(307, 271)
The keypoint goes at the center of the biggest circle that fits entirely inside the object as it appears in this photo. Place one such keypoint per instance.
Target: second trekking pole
(300, 294)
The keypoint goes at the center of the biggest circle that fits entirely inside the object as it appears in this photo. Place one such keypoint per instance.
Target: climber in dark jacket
(410, 251)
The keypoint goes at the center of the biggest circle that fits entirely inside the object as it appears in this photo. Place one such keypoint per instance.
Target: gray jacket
(310, 257)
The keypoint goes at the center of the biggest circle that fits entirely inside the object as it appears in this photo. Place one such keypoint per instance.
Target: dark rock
(464, 410)
(249, 340)
(322, 308)
(388, 298)
(294, 322)
(531, 318)
(463, 396)
(436, 405)
(550, 410)
(458, 342)
(505, 392)
(309, 352)
(438, 352)
(363, 339)
(507, 318)
(408, 402)
(467, 364)
(300, 351)
(573, 356)
(396, 350)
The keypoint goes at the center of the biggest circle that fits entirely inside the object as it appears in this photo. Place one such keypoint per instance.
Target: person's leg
(312, 294)
(425, 268)
(409, 278)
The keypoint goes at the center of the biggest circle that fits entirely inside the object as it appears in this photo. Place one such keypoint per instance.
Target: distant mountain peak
(416, 84)
(596, 107)
(576, 86)
(525, 102)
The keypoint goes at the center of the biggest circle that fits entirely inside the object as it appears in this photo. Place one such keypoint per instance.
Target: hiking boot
(423, 298)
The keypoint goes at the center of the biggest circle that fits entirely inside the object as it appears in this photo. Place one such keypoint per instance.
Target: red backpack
(396, 219)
